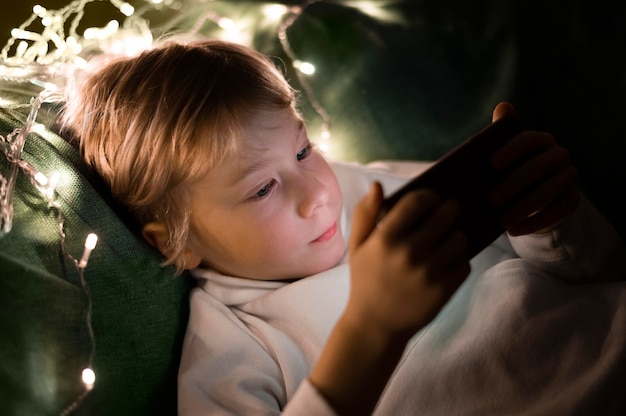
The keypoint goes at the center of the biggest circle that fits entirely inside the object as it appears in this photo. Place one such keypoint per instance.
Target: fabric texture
(139, 308)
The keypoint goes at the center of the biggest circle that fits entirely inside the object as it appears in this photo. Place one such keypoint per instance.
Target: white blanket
(515, 340)
(518, 338)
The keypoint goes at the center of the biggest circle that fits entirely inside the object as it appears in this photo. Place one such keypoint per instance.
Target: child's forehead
(260, 143)
(267, 132)
(275, 120)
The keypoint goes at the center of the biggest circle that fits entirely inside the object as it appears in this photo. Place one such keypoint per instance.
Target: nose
(312, 194)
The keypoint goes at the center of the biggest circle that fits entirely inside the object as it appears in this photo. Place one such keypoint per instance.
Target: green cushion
(139, 308)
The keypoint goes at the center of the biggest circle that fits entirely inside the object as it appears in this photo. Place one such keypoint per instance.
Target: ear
(155, 233)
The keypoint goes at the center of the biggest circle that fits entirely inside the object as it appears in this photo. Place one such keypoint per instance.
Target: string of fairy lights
(45, 55)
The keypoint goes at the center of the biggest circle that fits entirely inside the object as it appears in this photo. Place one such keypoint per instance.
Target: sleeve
(585, 248)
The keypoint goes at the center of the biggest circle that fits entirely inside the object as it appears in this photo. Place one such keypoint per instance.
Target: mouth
(327, 235)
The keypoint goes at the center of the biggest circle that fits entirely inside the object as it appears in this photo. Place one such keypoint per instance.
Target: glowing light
(124, 7)
(112, 27)
(39, 10)
(101, 33)
(89, 378)
(91, 241)
(233, 32)
(41, 179)
(226, 23)
(24, 34)
(324, 147)
(90, 244)
(38, 128)
(306, 68)
(21, 49)
(127, 9)
(275, 11)
(130, 44)
(73, 44)
(54, 181)
(91, 33)
(376, 10)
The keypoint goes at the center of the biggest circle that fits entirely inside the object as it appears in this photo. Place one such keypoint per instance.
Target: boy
(204, 145)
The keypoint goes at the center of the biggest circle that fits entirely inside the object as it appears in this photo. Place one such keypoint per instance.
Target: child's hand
(403, 271)
(405, 268)
(539, 189)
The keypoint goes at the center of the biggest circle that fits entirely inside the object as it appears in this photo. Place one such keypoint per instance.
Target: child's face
(273, 210)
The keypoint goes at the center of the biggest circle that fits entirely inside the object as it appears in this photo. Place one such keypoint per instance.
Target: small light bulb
(90, 33)
(306, 68)
(39, 10)
(52, 184)
(91, 241)
(226, 23)
(90, 244)
(21, 49)
(112, 27)
(274, 11)
(127, 9)
(41, 179)
(89, 378)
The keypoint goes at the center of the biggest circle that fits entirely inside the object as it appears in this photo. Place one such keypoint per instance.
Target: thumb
(364, 218)
(503, 109)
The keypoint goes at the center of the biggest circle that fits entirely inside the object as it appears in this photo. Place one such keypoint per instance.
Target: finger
(541, 197)
(435, 228)
(452, 275)
(503, 109)
(408, 213)
(528, 174)
(522, 146)
(550, 217)
(451, 251)
(364, 217)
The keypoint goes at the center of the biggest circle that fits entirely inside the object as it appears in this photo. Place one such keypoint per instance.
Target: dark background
(414, 90)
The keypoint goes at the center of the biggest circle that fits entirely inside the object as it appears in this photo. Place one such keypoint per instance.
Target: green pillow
(139, 309)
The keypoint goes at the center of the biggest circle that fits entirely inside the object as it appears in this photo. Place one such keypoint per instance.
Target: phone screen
(464, 173)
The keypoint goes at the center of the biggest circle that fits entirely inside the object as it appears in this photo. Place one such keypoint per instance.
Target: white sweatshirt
(516, 338)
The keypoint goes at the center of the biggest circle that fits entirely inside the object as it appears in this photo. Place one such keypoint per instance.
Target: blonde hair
(152, 124)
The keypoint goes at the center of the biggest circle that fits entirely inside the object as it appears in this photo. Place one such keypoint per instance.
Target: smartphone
(465, 174)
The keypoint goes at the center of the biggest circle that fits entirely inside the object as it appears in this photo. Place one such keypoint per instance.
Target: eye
(265, 190)
(304, 153)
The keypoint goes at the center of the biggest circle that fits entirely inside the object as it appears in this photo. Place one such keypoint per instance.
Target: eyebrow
(261, 163)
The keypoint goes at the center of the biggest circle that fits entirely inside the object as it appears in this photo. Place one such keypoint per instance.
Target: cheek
(333, 185)
(267, 232)
(276, 233)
